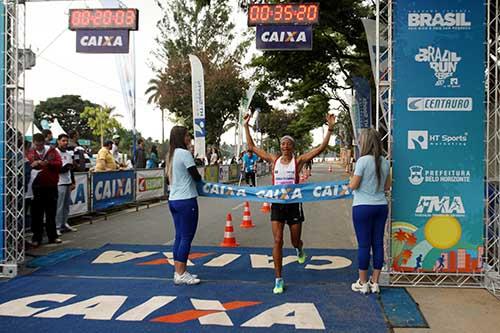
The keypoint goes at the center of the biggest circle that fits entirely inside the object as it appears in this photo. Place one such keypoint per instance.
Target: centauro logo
(104, 41)
(439, 104)
(206, 312)
(284, 37)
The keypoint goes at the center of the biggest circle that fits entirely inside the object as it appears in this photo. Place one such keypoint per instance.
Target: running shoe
(279, 285)
(185, 278)
(374, 287)
(359, 287)
(301, 256)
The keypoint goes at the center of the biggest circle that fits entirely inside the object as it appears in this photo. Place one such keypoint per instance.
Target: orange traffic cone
(266, 207)
(247, 217)
(229, 240)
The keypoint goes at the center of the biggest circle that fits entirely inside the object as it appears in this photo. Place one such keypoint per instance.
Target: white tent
(56, 129)
(31, 129)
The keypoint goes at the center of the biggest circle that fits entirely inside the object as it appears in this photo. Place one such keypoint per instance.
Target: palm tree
(155, 92)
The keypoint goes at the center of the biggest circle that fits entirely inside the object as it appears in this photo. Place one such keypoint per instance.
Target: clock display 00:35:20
(307, 13)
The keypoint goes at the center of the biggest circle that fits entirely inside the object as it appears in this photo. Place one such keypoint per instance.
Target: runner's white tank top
(285, 174)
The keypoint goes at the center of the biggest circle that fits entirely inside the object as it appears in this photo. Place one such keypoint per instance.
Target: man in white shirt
(114, 150)
(65, 186)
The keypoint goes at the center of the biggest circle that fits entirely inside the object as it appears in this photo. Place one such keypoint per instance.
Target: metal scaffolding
(13, 191)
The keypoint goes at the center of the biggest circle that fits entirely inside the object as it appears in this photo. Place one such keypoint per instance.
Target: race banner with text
(111, 189)
(309, 192)
(150, 184)
(79, 196)
(438, 152)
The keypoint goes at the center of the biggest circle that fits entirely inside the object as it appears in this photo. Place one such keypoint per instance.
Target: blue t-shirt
(249, 162)
(183, 185)
(368, 193)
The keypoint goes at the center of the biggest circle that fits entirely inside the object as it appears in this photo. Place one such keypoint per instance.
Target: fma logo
(432, 20)
(430, 205)
(446, 104)
(418, 140)
(443, 62)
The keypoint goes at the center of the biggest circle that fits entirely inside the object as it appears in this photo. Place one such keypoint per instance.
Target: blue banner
(285, 194)
(2, 112)
(110, 189)
(363, 100)
(438, 151)
(284, 37)
(102, 41)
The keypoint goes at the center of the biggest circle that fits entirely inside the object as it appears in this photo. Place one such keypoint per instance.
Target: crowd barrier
(99, 191)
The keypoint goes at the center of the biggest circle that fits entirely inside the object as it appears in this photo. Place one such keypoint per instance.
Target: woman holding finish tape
(183, 204)
(369, 208)
(286, 170)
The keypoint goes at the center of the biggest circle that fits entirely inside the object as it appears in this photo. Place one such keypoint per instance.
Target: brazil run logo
(443, 62)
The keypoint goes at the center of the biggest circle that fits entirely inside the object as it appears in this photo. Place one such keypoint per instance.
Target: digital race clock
(291, 13)
(114, 18)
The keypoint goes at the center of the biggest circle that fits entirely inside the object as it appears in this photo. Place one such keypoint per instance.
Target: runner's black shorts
(287, 213)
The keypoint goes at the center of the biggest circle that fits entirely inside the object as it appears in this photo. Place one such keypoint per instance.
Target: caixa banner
(438, 151)
(102, 41)
(284, 37)
(79, 196)
(112, 189)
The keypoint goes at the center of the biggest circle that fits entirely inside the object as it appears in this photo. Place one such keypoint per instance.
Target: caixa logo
(432, 205)
(431, 20)
(102, 41)
(284, 36)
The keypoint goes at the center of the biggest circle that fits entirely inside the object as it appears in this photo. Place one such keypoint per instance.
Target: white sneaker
(374, 287)
(70, 228)
(185, 278)
(359, 287)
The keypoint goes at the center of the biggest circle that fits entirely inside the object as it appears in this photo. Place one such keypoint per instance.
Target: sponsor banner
(363, 100)
(438, 151)
(234, 172)
(198, 97)
(284, 37)
(102, 41)
(201, 171)
(211, 173)
(224, 174)
(110, 189)
(294, 193)
(150, 184)
(80, 195)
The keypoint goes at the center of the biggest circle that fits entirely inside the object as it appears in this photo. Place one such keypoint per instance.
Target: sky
(60, 70)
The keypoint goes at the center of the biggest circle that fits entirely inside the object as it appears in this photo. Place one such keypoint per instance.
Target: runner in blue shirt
(250, 166)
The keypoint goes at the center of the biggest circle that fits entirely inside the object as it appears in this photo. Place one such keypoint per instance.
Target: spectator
(153, 160)
(65, 186)
(47, 135)
(233, 160)
(105, 160)
(114, 150)
(46, 163)
(250, 167)
(81, 160)
(28, 191)
(214, 157)
(140, 155)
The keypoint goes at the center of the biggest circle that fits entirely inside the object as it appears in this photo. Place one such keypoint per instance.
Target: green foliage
(101, 121)
(206, 31)
(66, 109)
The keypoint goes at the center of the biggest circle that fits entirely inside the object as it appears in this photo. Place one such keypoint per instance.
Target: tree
(66, 109)
(205, 30)
(101, 120)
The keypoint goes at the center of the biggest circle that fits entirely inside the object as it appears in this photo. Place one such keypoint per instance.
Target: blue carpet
(313, 308)
(54, 258)
(241, 269)
(400, 308)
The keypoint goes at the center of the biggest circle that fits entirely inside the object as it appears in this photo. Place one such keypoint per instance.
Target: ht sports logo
(435, 205)
(442, 104)
(435, 20)
(421, 140)
(443, 62)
